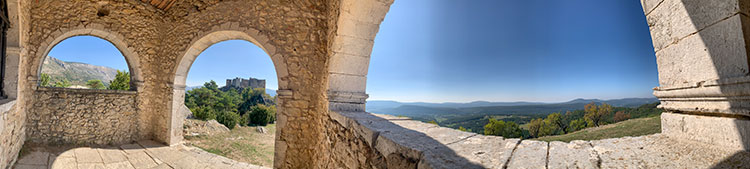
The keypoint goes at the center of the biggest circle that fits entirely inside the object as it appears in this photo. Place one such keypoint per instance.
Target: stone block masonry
(82, 116)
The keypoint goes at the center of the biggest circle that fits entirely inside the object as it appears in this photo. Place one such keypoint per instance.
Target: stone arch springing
(201, 43)
(131, 57)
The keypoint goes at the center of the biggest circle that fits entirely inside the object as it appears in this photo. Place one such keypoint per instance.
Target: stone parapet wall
(82, 116)
(364, 140)
(12, 132)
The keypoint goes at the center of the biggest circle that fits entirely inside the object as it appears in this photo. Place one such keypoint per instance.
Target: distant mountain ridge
(76, 72)
(420, 109)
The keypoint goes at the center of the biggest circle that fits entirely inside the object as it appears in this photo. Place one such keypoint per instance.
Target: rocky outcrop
(199, 127)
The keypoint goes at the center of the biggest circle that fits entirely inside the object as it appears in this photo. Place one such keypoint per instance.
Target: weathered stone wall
(11, 132)
(12, 120)
(82, 116)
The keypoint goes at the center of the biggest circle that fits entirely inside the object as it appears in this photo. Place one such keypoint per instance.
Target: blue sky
(461, 51)
(507, 50)
(97, 52)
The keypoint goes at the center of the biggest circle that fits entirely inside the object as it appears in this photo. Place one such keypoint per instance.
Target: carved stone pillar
(702, 56)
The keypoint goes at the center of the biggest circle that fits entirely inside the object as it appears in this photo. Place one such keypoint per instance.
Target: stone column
(702, 56)
(358, 22)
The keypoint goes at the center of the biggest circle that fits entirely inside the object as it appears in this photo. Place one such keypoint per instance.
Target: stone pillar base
(729, 132)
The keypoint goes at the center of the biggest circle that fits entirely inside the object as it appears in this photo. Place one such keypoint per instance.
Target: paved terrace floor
(142, 155)
(432, 146)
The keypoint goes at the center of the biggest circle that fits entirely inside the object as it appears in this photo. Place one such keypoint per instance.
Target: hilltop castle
(245, 83)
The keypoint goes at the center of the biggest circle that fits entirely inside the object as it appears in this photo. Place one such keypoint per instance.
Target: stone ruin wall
(246, 83)
(82, 116)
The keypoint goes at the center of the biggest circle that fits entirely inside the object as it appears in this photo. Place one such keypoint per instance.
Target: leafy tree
(577, 124)
(597, 113)
(535, 126)
(460, 128)
(211, 85)
(432, 122)
(621, 116)
(547, 128)
(95, 84)
(44, 79)
(502, 128)
(121, 81)
(63, 83)
(556, 120)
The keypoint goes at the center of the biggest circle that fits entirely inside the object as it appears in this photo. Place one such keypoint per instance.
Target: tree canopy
(121, 81)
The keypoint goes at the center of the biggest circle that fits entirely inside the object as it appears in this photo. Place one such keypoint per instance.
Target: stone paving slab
(141, 160)
(112, 155)
(144, 155)
(487, 151)
(529, 154)
(576, 154)
(87, 155)
(35, 158)
(64, 163)
(659, 151)
(131, 148)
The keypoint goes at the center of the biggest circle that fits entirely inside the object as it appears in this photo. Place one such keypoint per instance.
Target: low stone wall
(11, 132)
(364, 140)
(82, 116)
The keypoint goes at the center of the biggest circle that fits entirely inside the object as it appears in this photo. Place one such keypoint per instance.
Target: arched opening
(244, 104)
(85, 62)
(75, 70)
(233, 81)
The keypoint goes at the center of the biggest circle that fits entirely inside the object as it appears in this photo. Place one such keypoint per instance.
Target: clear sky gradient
(462, 51)
(509, 50)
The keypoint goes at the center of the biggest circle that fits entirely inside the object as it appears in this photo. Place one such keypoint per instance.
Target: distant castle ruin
(245, 83)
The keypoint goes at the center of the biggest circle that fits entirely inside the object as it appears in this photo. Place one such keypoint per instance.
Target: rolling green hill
(632, 127)
(474, 118)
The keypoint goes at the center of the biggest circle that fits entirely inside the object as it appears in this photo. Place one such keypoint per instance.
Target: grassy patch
(241, 144)
(632, 127)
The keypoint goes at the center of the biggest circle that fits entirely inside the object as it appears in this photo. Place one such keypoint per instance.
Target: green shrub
(261, 115)
(204, 113)
(228, 118)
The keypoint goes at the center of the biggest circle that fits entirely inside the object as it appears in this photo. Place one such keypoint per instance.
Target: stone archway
(196, 48)
(112, 118)
(90, 30)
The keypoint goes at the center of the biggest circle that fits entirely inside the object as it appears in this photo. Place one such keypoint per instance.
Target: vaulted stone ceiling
(161, 4)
